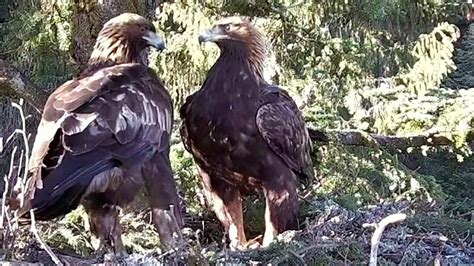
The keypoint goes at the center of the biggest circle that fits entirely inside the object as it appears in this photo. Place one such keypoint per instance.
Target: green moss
(37, 39)
(455, 178)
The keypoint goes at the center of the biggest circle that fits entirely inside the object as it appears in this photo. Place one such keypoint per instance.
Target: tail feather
(65, 186)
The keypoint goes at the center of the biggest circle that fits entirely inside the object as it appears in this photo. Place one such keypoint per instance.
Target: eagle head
(232, 31)
(238, 37)
(136, 28)
(124, 39)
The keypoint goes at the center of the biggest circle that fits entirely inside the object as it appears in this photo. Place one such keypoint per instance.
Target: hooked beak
(154, 40)
(211, 35)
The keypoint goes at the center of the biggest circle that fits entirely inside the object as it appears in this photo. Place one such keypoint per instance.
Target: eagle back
(109, 110)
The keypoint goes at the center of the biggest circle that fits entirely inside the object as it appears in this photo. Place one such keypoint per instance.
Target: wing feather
(106, 113)
(281, 125)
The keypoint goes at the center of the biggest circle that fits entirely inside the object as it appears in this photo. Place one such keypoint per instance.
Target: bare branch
(15, 181)
(24, 180)
(41, 241)
(379, 228)
(13, 84)
(361, 138)
(5, 216)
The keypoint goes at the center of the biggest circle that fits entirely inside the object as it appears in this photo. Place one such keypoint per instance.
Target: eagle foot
(251, 244)
(119, 258)
(168, 228)
(254, 243)
(237, 247)
(101, 252)
(109, 254)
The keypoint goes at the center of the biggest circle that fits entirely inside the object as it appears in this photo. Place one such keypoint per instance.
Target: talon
(237, 247)
(109, 257)
(121, 255)
(121, 258)
(254, 243)
(99, 254)
(267, 242)
(102, 251)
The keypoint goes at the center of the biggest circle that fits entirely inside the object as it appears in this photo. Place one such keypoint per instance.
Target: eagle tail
(64, 187)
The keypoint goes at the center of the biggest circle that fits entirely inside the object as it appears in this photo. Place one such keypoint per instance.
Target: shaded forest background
(399, 68)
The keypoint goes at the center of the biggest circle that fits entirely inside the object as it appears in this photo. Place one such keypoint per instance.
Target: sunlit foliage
(376, 66)
(37, 39)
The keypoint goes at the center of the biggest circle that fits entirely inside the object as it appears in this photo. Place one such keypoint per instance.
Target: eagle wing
(183, 110)
(117, 115)
(281, 125)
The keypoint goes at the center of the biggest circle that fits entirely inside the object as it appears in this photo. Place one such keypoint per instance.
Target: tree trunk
(90, 16)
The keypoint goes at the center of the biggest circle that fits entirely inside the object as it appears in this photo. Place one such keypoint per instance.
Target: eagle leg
(162, 193)
(227, 204)
(105, 224)
(281, 211)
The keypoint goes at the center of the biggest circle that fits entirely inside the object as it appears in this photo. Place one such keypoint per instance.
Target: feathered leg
(227, 204)
(105, 224)
(162, 193)
(281, 211)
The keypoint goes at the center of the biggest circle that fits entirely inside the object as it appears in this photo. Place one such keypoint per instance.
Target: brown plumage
(245, 134)
(106, 134)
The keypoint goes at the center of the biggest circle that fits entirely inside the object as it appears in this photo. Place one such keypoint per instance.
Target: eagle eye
(227, 27)
(142, 29)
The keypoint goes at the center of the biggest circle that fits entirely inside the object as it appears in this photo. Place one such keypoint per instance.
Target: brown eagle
(245, 134)
(105, 135)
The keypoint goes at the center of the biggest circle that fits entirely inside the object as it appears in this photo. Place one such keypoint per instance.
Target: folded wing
(116, 117)
(281, 125)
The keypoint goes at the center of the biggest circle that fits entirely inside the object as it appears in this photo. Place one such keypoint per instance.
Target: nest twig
(40, 240)
(18, 175)
(379, 228)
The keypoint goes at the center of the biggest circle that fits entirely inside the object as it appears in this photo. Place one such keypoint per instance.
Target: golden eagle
(245, 134)
(104, 135)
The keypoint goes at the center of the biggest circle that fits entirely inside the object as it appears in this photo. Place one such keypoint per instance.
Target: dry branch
(13, 84)
(379, 228)
(20, 179)
(41, 241)
(360, 138)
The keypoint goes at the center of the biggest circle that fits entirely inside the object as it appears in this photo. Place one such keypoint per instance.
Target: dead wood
(361, 138)
(13, 84)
